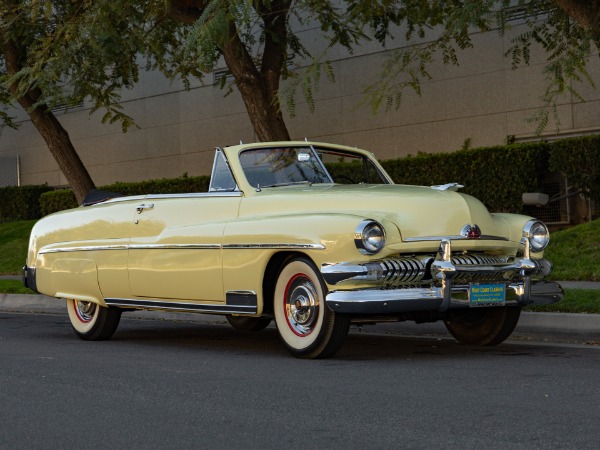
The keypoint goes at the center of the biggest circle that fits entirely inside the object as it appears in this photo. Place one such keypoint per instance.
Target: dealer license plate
(487, 295)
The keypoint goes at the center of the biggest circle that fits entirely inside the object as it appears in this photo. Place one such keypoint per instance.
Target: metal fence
(562, 209)
(9, 171)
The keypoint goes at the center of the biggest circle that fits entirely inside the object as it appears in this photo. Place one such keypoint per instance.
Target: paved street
(167, 384)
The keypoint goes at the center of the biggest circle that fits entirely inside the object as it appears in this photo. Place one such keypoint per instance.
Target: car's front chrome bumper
(448, 287)
(391, 301)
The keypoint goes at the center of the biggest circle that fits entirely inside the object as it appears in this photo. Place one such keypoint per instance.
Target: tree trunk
(258, 86)
(50, 129)
(586, 13)
(261, 101)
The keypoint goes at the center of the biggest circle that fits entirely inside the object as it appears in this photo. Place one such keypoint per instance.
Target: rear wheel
(484, 326)
(306, 326)
(91, 321)
(248, 323)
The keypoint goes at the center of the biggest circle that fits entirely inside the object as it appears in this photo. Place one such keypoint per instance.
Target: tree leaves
(445, 26)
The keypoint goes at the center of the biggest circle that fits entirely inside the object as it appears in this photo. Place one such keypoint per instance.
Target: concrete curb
(575, 326)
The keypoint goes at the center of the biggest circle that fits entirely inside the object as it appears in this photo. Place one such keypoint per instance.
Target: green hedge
(498, 176)
(21, 202)
(65, 199)
(579, 160)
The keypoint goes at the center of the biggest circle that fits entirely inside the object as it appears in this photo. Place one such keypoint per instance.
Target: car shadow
(218, 336)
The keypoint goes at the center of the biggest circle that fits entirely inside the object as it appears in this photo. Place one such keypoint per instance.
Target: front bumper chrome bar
(390, 301)
(447, 289)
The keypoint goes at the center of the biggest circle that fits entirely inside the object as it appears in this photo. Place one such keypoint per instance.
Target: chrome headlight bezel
(369, 237)
(537, 234)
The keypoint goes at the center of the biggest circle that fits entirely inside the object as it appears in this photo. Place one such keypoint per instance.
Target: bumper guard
(443, 292)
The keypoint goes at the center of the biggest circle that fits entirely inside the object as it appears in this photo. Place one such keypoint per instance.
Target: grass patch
(576, 301)
(13, 287)
(14, 240)
(575, 253)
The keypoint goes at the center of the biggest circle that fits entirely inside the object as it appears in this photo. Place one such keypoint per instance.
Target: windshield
(268, 167)
(284, 166)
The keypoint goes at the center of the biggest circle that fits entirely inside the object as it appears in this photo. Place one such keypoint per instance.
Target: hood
(417, 211)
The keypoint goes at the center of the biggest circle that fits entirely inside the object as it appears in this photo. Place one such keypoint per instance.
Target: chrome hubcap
(85, 310)
(302, 306)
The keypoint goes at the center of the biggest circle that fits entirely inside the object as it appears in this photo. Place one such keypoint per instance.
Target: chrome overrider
(436, 284)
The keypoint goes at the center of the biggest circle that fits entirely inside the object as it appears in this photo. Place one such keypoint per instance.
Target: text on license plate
(487, 294)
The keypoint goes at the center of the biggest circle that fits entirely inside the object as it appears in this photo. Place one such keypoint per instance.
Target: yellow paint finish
(102, 225)
(180, 273)
(75, 278)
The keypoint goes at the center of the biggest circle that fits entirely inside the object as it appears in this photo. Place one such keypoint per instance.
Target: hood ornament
(471, 231)
(447, 187)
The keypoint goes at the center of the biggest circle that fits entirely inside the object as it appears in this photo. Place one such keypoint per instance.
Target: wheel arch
(274, 266)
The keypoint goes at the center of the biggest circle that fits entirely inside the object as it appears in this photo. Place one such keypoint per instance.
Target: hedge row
(497, 176)
(21, 202)
(64, 199)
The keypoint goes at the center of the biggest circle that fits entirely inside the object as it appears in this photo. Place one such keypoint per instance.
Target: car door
(175, 251)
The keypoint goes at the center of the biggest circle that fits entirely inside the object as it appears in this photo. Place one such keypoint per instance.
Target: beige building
(482, 100)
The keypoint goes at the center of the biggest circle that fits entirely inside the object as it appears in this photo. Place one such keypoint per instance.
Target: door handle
(142, 207)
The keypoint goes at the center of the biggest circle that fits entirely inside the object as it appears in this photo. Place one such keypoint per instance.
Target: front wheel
(484, 326)
(91, 321)
(306, 326)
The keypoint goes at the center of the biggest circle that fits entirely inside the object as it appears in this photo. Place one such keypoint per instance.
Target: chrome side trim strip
(84, 248)
(172, 246)
(275, 246)
(454, 238)
(182, 307)
(89, 248)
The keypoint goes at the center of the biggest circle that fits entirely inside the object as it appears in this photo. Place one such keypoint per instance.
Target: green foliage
(576, 301)
(575, 252)
(57, 200)
(442, 28)
(497, 176)
(14, 287)
(579, 160)
(64, 199)
(14, 239)
(21, 203)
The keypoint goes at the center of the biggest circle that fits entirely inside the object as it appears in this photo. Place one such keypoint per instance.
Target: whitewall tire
(306, 326)
(91, 321)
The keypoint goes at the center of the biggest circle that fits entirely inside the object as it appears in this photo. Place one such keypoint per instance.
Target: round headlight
(538, 235)
(369, 237)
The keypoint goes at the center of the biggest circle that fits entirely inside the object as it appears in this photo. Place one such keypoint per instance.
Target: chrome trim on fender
(275, 246)
(173, 246)
(84, 248)
(89, 248)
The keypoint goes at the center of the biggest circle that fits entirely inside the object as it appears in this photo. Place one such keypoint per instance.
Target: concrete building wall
(482, 100)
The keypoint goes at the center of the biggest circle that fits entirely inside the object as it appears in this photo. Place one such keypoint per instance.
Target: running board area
(182, 306)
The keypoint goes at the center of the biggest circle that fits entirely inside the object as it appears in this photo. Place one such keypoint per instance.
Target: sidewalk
(577, 327)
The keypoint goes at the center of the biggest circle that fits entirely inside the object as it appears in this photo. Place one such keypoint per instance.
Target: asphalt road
(179, 384)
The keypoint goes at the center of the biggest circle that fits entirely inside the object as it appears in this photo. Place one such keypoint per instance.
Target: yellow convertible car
(281, 236)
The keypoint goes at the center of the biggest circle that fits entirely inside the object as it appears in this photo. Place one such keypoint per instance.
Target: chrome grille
(401, 270)
(473, 259)
(480, 260)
